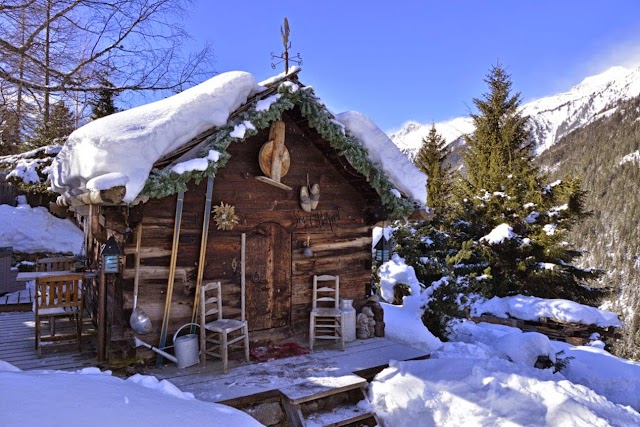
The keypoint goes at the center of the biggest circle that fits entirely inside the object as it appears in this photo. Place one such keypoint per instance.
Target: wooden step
(328, 402)
(322, 387)
(340, 416)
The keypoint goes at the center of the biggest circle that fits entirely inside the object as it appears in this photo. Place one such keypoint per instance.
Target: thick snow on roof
(408, 178)
(532, 308)
(130, 142)
(127, 144)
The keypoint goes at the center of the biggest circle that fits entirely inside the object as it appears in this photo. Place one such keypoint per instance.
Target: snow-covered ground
(483, 376)
(89, 397)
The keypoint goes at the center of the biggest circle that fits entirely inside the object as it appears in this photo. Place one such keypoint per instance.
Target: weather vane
(284, 56)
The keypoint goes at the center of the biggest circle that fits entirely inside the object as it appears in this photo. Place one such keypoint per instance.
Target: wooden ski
(203, 252)
(172, 274)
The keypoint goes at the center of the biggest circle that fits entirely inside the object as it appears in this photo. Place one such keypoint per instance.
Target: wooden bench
(58, 297)
(56, 264)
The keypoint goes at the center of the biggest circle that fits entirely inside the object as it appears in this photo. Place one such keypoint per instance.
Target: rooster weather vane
(284, 56)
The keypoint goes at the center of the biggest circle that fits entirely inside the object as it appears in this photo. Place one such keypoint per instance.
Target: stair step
(322, 387)
(340, 416)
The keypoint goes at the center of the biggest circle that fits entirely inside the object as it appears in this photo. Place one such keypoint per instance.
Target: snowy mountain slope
(551, 117)
(409, 137)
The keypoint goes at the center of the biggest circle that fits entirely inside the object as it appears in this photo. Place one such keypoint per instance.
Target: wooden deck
(17, 301)
(17, 345)
(262, 380)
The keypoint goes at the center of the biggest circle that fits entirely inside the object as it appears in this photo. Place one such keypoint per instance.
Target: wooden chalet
(175, 236)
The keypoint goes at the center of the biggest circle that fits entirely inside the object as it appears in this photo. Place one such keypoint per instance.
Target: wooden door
(268, 277)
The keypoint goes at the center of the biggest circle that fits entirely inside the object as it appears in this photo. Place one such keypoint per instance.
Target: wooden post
(172, 274)
(276, 135)
(102, 316)
(203, 251)
(243, 264)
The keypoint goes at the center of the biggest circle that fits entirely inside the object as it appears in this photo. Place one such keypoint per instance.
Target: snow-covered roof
(124, 148)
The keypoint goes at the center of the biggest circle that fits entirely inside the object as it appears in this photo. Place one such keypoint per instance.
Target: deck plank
(17, 345)
(210, 384)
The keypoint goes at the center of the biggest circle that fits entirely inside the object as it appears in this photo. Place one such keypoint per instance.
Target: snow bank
(464, 391)
(130, 142)
(403, 324)
(608, 375)
(532, 309)
(93, 398)
(387, 155)
(395, 272)
(33, 230)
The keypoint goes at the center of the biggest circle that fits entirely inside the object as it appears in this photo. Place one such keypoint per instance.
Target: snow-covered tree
(508, 232)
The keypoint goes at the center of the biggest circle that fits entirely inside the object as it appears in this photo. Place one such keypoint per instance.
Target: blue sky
(422, 60)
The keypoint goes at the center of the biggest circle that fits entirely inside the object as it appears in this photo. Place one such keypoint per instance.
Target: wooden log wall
(339, 231)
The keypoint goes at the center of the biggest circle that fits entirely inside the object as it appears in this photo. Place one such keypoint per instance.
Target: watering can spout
(139, 342)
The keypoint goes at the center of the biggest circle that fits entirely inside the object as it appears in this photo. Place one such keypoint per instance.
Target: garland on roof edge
(165, 182)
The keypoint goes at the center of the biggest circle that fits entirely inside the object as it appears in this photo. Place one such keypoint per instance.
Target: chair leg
(203, 346)
(79, 331)
(38, 332)
(246, 343)
(224, 351)
(312, 332)
(341, 333)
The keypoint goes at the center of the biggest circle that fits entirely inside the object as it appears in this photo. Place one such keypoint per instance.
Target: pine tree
(503, 192)
(103, 104)
(9, 131)
(61, 124)
(430, 159)
(500, 145)
(505, 233)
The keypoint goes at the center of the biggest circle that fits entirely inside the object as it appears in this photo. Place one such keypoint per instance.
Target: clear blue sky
(422, 60)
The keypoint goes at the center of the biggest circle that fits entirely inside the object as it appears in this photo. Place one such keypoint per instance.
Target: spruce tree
(9, 131)
(500, 145)
(61, 124)
(103, 104)
(514, 227)
(506, 232)
(430, 159)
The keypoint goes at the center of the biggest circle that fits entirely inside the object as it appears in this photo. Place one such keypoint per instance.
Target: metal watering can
(186, 348)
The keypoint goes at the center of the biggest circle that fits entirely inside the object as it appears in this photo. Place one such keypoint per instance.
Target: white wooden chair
(218, 334)
(56, 297)
(325, 322)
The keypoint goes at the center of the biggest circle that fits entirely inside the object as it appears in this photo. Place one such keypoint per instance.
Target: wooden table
(26, 276)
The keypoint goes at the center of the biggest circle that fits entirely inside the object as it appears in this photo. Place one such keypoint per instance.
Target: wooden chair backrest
(59, 292)
(55, 264)
(326, 293)
(211, 301)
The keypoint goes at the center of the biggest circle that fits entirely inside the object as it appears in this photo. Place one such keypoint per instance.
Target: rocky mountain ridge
(551, 117)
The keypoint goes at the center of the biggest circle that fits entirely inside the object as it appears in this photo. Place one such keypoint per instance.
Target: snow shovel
(139, 320)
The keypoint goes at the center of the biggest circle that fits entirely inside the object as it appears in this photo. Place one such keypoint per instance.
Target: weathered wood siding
(279, 277)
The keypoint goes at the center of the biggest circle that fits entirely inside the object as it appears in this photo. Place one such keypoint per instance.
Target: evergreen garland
(165, 182)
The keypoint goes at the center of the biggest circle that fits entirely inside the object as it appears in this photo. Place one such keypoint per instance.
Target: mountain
(551, 117)
(606, 155)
